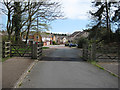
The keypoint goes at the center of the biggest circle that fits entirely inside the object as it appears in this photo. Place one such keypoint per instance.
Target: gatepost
(37, 51)
(93, 51)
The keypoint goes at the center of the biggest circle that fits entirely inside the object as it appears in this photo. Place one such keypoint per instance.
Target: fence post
(34, 51)
(10, 49)
(39, 51)
(3, 49)
(93, 51)
(85, 52)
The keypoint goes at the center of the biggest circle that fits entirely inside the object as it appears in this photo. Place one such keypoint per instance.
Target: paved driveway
(67, 74)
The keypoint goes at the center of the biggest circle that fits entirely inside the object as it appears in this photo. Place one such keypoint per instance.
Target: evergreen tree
(102, 17)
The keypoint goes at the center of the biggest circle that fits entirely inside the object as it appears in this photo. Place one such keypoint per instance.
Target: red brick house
(34, 36)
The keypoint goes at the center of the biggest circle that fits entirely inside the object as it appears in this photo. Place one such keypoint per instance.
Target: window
(37, 37)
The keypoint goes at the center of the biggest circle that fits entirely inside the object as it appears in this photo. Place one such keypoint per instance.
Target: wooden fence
(5, 49)
(100, 52)
(22, 50)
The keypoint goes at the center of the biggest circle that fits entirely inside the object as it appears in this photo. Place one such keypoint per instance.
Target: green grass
(114, 74)
(4, 59)
(20, 50)
(45, 47)
(94, 63)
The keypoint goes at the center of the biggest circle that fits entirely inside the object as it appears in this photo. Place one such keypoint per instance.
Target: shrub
(81, 41)
(54, 43)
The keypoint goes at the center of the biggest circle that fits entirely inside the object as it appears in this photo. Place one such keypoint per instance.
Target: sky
(76, 15)
(76, 12)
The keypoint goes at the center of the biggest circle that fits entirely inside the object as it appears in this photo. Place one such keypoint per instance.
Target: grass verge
(45, 47)
(4, 59)
(95, 64)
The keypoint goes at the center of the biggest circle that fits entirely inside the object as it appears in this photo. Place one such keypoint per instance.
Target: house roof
(75, 33)
(46, 35)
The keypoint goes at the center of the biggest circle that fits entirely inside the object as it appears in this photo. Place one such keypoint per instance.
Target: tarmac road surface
(73, 73)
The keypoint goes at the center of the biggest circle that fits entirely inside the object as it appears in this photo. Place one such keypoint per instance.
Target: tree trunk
(29, 24)
(17, 21)
(9, 37)
(107, 21)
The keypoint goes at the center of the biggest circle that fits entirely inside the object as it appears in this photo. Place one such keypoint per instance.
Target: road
(74, 73)
(0, 75)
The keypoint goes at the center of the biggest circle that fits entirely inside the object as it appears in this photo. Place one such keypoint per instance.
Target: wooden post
(83, 54)
(3, 49)
(39, 51)
(34, 51)
(10, 49)
(93, 51)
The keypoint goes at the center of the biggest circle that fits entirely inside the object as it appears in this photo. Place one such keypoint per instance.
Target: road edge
(22, 77)
(103, 68)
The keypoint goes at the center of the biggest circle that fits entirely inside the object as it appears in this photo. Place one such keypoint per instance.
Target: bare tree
(45, 11)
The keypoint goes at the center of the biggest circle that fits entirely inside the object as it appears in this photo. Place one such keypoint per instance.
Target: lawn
(45, 47)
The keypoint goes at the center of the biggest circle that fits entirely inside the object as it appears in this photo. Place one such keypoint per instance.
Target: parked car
(67, 44)
(72, 45)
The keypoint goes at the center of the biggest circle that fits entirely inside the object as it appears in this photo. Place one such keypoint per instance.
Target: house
(53, 38)
(73, 35)
(33, 37)
(61, 39)
(78, 34)
(46, 39)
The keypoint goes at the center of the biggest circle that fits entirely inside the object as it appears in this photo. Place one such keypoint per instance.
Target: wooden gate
(100, 52)
(21, 50)
(107, 53)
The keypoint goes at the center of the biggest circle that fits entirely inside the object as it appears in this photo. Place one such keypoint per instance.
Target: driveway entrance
(63, 68)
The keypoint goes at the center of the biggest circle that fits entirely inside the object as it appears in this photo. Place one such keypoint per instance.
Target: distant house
(33, 36)
(74, 35)
(84, 34)
(78, 34)
(46, 39)
(53, 38)
(61, 39)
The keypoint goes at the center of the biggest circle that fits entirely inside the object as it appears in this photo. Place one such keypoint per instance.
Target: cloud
(76, 9)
